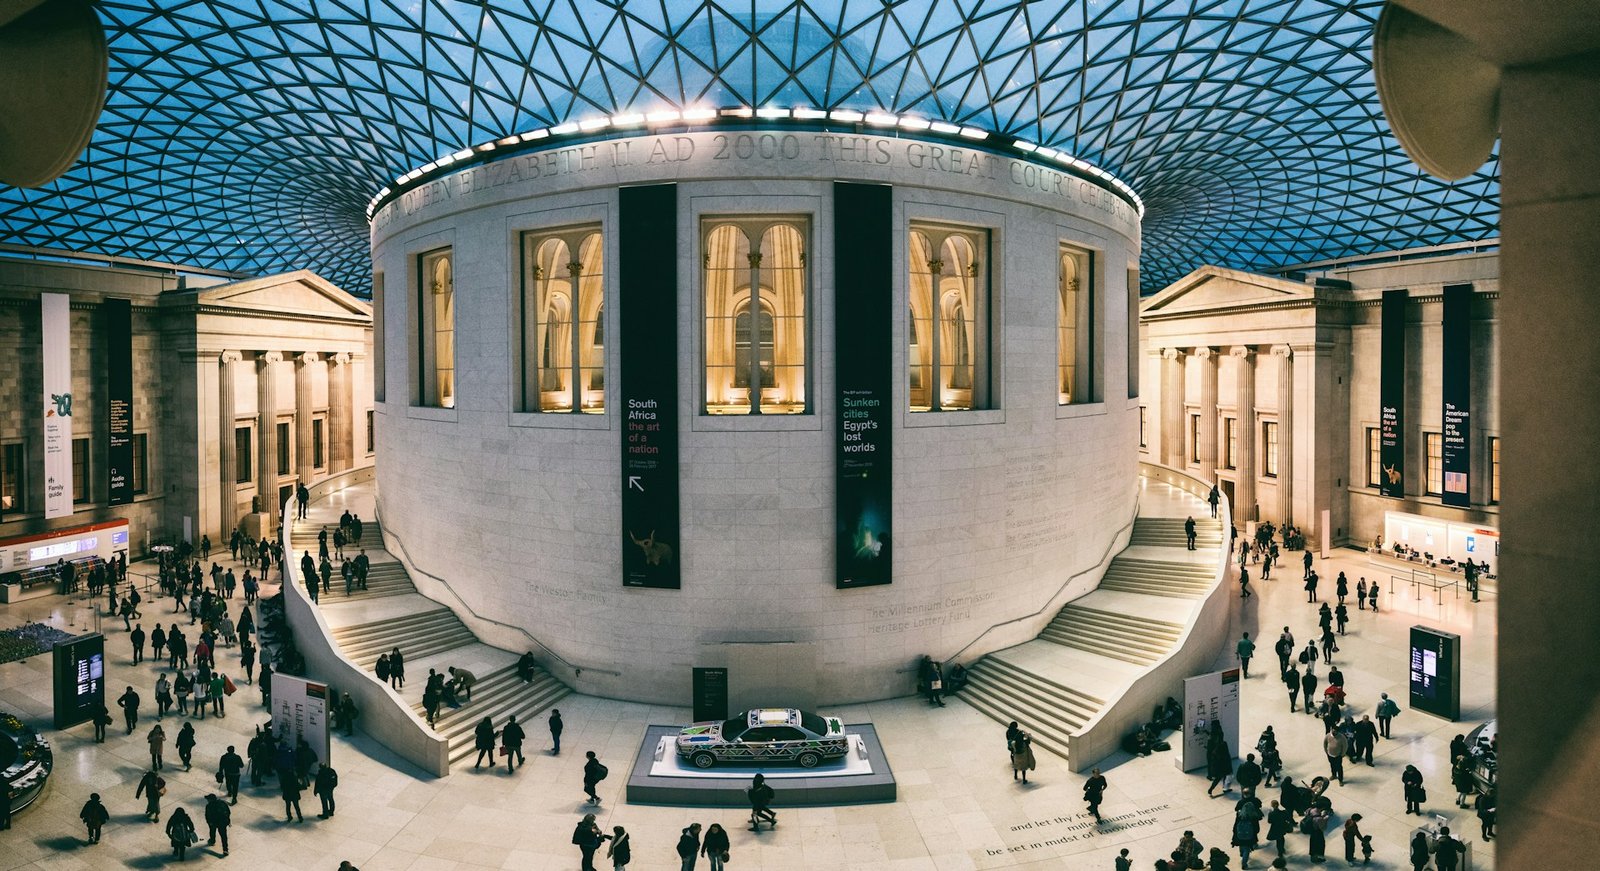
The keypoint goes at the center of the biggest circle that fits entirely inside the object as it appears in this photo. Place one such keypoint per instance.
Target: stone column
(1244, 403)
(227, 408)
(303, 409)
(1285, 356)
(267, 435)
(1172, 389)
(1206, 359)
(341, 416)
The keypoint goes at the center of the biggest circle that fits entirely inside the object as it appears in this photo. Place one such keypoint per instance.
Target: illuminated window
(1144, 421)
(1075, 315)
(1433, 445)
(1230, 443)
(755, 315)
(562, 338)
(141, 463)
(372, 431)
(318, 455)
(80, 470)
(1374, 457)
(1194, 438)
(436, 300)
(284, 452)
(13, 477)
(948, 353)
(1269, 453)
(1494, 469)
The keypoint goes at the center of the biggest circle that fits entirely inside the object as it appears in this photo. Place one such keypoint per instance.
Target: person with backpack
(761, 795)
(587, 837)
(593, 773)
(180, 832)
(1387, 709)
(94, 816)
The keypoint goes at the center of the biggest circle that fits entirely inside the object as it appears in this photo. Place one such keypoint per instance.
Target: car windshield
(814, 723)
(732, 729)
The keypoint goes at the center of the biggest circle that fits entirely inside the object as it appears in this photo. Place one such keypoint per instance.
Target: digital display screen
(1434, 669)
(119, 539)
(63, 548)
(80, 679)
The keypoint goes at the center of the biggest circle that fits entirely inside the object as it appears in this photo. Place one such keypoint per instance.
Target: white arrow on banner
(633, 481)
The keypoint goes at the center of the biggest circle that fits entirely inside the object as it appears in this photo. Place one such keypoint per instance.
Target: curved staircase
(1097, 645)
(390, 613)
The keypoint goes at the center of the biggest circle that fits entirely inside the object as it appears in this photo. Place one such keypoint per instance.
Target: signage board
(864, 377)
(300, 710)
(1456, 394)
(1435, 672)
(56, 326)
(1209, 698)
(1392, 394)
(80, 679)
(649, 393)
(710, 694)
(117, 318)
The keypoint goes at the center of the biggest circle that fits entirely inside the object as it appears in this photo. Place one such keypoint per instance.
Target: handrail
(1059, 590)
(411, 566)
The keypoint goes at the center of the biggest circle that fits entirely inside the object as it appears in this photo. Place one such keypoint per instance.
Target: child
(1366, 849)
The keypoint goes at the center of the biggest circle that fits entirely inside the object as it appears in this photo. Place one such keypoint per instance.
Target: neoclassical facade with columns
(240, 390)
(1270, 385)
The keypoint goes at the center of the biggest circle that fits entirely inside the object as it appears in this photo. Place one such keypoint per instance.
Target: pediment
(302, 293)
(1213, 287)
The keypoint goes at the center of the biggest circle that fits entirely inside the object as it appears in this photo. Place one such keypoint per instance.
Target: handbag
(938, 685)
(227, 686)
(1422, 794)
(504, 750)
(724, 857)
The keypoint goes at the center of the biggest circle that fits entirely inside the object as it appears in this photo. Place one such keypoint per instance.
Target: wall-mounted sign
(1435, 672)
(710, 694)
(1457, 393)
(863, 341)
(1392, 394)
(117, 319)
(56, 316)
(648, 291)
(80, 679)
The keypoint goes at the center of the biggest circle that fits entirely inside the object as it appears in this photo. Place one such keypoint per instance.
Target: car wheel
(809, 759)
(703, 760)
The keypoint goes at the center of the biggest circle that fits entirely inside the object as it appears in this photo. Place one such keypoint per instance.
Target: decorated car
(765, 735)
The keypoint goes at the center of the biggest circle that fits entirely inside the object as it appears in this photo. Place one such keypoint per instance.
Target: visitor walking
(129, 703)
(1094, 791)
(136, 638)
(555, 731)
(94, 816)
(1284, 647)
(1387, 710)
(231, 767)
(587, 838)
(327, 781)
(511, 738)
(715, 846)
(289, 788)
(180, 832)
(1219, 762)
(1415, 793)
(593, 773)
(185, 744)
(1213, 498)
(218, 817)
(1291, 678)
(1335, 747)
(761, 796)
(1246, 649)
(1280, 823)
(1188, 531)
(1352, 837)
(151, 787)
(483, 740)
(1022, 760)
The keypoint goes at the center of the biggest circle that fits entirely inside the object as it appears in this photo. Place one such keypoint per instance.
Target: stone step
(1087, 700)
(453, 722)
(391, 625)
(416, 648)
(1124, 570)
(1153, 589)
(1072, 709)
(1117, 619)
(527, 708)
(1003, 707)
(1084, 642)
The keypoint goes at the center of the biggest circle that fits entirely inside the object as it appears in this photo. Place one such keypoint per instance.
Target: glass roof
(250, 136)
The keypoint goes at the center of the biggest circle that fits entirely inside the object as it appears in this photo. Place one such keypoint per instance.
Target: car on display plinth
(765, 735)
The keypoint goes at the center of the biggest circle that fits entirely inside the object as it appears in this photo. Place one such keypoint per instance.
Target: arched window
(755, 316)
(561, 348)
(437, 367)
(948, 353)
(1074, 332)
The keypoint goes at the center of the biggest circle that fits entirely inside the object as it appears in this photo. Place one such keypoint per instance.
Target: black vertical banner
(1392, 394)
(1457, 398)
(647, 288)
(863, 330)
(117, 317)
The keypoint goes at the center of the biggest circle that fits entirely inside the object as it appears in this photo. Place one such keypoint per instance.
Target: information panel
(1392, 394)
(300, 710)
(56, 323)
(1435, 670)
(117, 315)
(863, 343)
(648, 290)
(1457, 392)
(1209, 698)
(80, 679)
(710, 694)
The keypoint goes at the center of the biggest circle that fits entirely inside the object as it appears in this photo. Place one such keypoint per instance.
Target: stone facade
(996, 510)
(183, 330)
(1303, 353)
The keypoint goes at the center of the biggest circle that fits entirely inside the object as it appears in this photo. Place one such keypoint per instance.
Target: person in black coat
(483, 740)
(1219, 763)
(1411, 780)
(129, 703)
(94, 816)
(180, 831)
(1094, 791)
(218, 818)
(327, 780)
(555, 731)
(593, 773)
(512, 737)
(587, 837)
(689, 845)
(231, 767)
(289, 786)
(1280, 822)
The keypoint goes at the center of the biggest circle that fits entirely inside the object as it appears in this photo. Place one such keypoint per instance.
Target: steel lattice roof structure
(250, 136)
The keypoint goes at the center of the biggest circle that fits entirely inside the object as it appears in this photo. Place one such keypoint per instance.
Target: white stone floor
(958, 807)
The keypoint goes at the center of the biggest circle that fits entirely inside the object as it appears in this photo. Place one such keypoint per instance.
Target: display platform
(659, 777)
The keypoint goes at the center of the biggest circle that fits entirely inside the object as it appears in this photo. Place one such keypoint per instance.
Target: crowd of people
(317, 574)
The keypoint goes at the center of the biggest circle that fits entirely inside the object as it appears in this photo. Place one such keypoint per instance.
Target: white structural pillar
(341, 437)
(227, 409)
(1206, 359)
(1172, 389)
(1244, 403)
(267, 434)
(303, 411)
(1285, 355)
